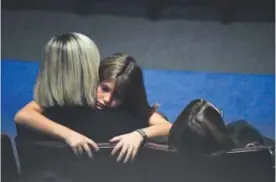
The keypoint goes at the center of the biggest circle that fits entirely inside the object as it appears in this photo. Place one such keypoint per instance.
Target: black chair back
(59, 160)
(154, 163)
(239, 165)
(9, 168)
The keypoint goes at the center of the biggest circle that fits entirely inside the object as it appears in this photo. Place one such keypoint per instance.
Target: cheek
(99, 93)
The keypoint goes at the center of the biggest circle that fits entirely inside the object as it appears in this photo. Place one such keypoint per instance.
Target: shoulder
(117, 115)
(69, 108)
(68, 113)
(125, 118)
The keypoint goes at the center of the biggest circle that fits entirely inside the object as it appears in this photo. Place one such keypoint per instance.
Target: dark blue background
(241, 96)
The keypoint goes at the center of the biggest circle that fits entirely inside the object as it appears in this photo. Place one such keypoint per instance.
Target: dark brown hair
(200, 129)
(129, 83)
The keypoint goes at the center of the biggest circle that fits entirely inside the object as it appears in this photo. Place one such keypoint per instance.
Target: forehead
(117, 87)
(109, 84)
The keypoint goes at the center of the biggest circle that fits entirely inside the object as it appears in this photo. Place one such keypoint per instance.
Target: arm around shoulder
(31, 116)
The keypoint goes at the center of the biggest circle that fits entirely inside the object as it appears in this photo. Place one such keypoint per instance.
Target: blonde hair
(69, 72)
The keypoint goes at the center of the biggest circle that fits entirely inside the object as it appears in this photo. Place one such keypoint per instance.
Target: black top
(99, 125)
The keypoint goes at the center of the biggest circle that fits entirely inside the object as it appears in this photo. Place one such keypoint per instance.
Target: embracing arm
(130, 143)
(31, 116)
(158, 126)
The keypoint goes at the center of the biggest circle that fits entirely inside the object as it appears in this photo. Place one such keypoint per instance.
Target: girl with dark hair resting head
(120, 88)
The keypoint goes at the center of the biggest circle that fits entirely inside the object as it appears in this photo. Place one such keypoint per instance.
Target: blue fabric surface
(241, 96)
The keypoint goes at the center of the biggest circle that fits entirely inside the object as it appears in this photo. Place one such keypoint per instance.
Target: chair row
(54, 161)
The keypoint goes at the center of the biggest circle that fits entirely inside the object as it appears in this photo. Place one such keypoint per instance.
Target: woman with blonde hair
(121, 88)
(68, 78)
(69, 72)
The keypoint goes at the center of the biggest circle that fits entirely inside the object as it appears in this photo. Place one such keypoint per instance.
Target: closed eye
(105, 88)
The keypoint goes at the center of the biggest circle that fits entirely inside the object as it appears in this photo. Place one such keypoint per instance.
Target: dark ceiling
(221, 10)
